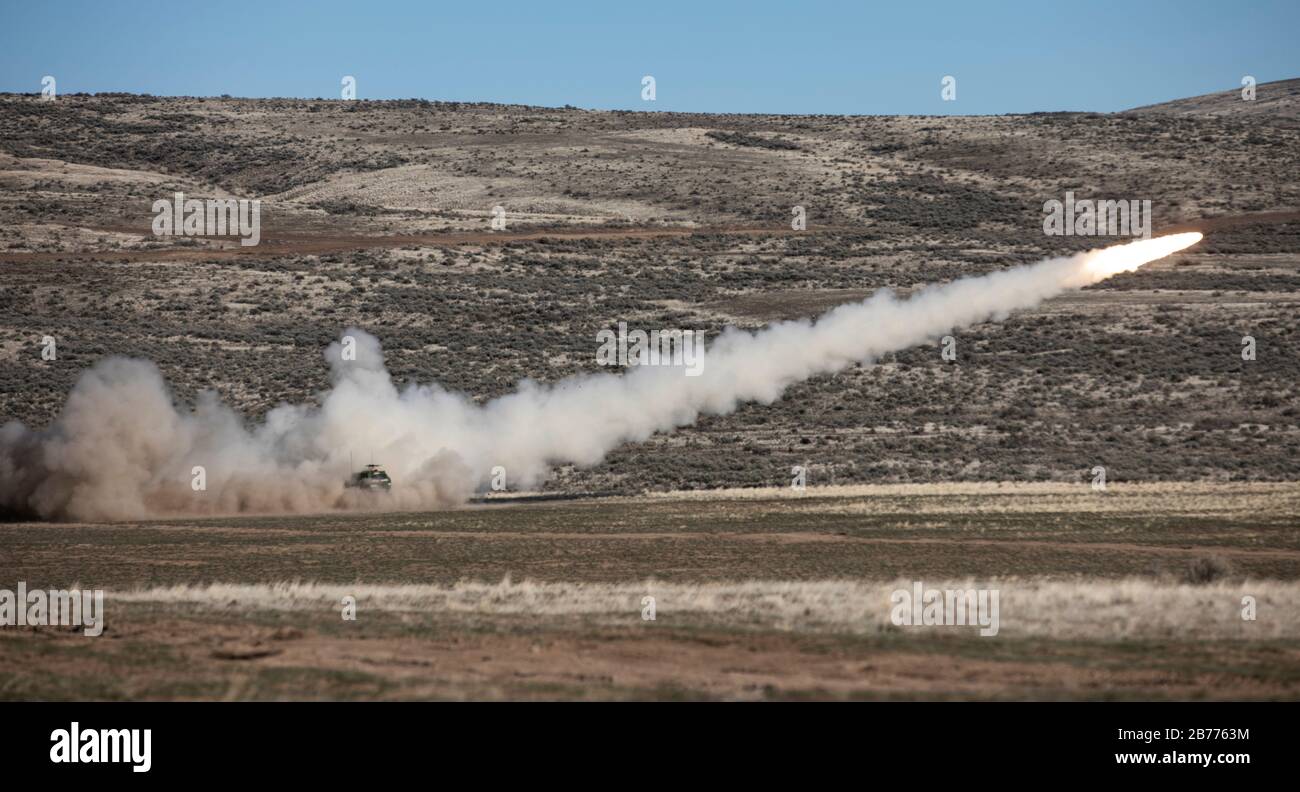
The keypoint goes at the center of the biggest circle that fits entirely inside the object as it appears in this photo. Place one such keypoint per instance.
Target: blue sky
(775, 57)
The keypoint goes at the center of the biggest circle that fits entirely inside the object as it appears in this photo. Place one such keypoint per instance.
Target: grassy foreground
(1135, 592)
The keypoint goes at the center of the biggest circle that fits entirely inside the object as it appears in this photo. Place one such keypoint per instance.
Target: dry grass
(1089, 610)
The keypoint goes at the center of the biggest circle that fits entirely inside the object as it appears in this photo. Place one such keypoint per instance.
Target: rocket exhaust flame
(120, 449)
(1127, 258)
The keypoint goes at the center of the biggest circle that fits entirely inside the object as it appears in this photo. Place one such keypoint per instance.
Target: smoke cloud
(120, 448)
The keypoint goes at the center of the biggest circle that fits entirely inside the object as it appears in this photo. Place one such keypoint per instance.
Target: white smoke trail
(120, 449)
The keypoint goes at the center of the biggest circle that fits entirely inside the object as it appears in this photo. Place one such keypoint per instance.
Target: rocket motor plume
(120, 449)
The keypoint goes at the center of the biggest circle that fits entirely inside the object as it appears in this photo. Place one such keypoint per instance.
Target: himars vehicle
(374, 477)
